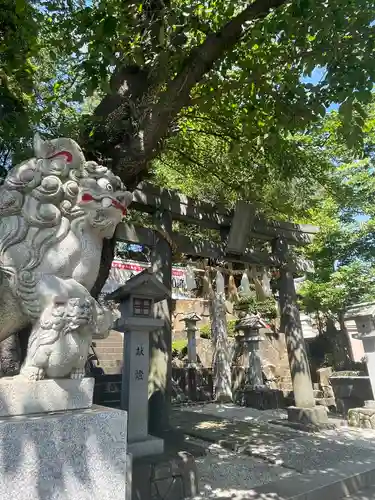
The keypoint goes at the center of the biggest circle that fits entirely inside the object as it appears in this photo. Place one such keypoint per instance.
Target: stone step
(103, 344)
(109, 349)
(343, 481)
(328, 402)
(109, 357)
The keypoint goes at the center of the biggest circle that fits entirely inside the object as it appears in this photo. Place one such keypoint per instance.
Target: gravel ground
(224, 474)
(268, 452)
(242, 413)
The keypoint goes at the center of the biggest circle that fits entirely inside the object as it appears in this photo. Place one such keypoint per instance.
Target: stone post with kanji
(137, 299)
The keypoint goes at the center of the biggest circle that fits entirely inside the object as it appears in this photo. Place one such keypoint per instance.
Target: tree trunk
(221, 362)
(108, 253)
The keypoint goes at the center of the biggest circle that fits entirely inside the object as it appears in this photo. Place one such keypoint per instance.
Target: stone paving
(244, 450)
(368, 494)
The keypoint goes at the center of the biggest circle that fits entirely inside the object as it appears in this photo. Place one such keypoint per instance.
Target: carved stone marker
(55, 211)
(137, 299)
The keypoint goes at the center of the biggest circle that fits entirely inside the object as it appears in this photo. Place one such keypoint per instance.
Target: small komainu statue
(55, 211)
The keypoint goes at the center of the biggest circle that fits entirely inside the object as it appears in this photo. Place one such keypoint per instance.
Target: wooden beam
(208, 249)
(212, 250)
(135, 234)
(148, 198)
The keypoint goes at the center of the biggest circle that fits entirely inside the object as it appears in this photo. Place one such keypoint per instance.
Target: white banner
(122, 270)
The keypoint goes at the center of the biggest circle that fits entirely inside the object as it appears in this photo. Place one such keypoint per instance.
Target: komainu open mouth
(106, 202)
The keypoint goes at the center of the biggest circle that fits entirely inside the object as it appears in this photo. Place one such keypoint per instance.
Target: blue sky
(316, 76)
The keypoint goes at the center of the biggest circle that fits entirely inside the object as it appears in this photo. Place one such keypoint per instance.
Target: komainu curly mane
(38, 210)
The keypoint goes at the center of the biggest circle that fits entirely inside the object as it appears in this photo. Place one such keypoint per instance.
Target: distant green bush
(205, 330)
(266, 308)
(179, 347)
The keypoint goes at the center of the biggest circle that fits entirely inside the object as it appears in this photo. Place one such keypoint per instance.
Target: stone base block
(165, 477)
(263, 398)
(150, 446)
(21, 397)
(79, 455)
(316, 415)
(362, 417)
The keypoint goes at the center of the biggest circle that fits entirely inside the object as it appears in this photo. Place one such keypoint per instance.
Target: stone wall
(109, 352)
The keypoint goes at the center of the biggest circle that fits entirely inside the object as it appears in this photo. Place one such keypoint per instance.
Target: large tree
(344, 250)
(154, 63)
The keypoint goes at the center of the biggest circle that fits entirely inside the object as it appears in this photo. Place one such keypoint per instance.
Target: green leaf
(346, 109)
(364, 96)
(109, 25)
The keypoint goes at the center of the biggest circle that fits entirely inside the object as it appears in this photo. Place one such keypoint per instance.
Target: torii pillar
(305, 410)
(160, 375)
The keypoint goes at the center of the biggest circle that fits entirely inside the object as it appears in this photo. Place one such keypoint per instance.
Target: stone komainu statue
(55, 211)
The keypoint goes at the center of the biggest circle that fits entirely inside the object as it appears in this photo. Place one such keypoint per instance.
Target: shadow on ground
(244, 455)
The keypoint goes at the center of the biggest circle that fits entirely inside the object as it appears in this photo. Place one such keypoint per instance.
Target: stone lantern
(191, 320)
(137, 299)
(249, 327)
(364, 317)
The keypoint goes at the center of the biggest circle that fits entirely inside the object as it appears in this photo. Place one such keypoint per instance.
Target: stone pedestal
(78, 454)
(262, 398)
(21, 397)
(316, 416)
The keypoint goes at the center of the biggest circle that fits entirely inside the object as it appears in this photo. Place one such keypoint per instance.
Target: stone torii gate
(236, 227)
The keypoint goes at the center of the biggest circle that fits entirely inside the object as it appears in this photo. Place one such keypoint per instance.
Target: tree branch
(201, 60)
(203, 168)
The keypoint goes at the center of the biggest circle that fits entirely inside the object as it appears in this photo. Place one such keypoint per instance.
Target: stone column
(161, 340)
(191, 329)
(295, 343)
(305, 410)
(255, 377)
(291, 326)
